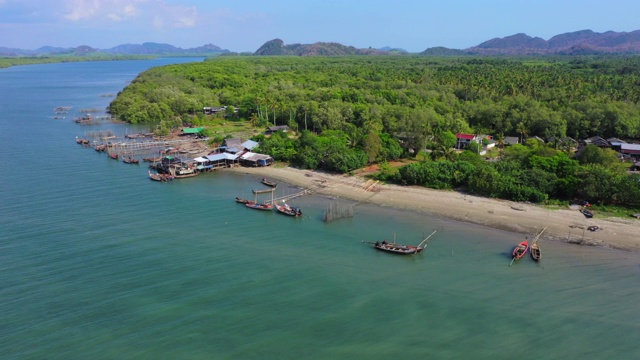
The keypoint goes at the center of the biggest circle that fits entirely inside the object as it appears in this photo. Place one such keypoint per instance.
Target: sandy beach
(567, 224)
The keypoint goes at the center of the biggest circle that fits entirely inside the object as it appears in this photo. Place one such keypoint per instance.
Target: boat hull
(520, 250)
(397, 249)
(243, 201)
(536, 255)
(265, 207)
(288, 210)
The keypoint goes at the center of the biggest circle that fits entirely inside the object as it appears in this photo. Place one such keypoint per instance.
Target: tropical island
(351, 112)
(552, 131)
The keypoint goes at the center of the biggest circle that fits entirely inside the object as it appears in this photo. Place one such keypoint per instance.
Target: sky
(244, 25)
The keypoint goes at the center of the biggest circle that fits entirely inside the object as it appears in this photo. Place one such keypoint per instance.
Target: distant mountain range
(277, 47)
(147, 48)
(584, 42)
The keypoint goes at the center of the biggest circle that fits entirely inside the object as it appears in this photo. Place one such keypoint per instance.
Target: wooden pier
(154, 147)
(292, 196)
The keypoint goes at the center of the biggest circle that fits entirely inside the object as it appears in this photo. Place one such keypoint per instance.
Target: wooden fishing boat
(244, 201)
(130, 160)
(87, 119)
(152, 159)
(268, 182)
(519, 251)
(288, 210)
(160, 177)
(535, 252)
(264, 191)
(183, 172)
(586, 213)
(257, 206)
(155, 177)
(114, 156)
(401, 249)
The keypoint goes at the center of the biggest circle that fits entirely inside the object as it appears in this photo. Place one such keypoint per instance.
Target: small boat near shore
(243, 201)
(256, 206)
(288, 210)
(160, 177)
(400, 249)
(519, 251)
(586, 213)
(273, 184)
(183, 172)
(130, 160)
(534, 250)
(536, 255)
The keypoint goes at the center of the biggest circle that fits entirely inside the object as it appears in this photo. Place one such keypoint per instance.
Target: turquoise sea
(98, 262)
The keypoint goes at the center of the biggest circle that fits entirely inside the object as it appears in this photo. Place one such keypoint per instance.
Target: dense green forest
(350, 111)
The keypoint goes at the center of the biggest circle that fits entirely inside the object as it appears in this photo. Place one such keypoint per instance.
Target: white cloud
(156, 13)
(188, 18)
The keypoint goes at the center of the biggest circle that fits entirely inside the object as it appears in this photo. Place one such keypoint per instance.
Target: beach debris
(370, 185)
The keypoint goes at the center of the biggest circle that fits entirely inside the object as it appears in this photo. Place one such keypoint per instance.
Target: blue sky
(244, 25)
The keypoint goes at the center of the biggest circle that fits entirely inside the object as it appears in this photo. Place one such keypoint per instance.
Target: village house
(190, 131)
(217, 110)
(463, 140)
(511, 140)
(273, 129)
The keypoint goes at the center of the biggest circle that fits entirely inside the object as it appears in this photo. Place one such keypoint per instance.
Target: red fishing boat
(130, 160)
(519, 251)
(288, 210)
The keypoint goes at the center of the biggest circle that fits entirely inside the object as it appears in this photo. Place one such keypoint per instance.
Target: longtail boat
(268, 182)
(256, 206)
(130, 160)
(586, 213)
(288, 210)
(536, 255)
(401, 249)
(519, 251)
(535, 252)
(160, 177)
(243, 201)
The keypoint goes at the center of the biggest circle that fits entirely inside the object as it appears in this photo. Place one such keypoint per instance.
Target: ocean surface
(99, 262)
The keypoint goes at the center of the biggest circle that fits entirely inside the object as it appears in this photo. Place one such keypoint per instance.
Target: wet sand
(562, 224)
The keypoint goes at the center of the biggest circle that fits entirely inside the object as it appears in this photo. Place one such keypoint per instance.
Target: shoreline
(566, 225)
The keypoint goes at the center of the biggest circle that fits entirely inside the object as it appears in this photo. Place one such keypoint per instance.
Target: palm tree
(500, 140)
(522, 129)
(443, 152)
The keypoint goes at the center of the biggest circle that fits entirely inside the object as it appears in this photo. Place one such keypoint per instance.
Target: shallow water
(96, 261)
